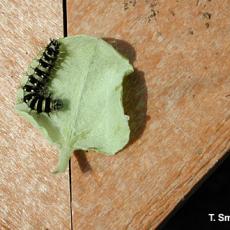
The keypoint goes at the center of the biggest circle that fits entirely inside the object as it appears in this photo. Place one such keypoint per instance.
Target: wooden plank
(178, 101)
(30, 196)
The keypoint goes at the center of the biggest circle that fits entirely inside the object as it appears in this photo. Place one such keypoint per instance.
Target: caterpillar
(44, 104)
(35, 89)
(50, 54)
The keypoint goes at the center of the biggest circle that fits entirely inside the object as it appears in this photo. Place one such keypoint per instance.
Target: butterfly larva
(35, 89)
(44, 104)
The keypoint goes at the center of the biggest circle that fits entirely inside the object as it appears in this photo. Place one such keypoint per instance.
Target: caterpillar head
(57, 104)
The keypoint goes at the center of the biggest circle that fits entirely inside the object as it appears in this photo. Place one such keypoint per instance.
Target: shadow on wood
(82, 161)
(135, 103)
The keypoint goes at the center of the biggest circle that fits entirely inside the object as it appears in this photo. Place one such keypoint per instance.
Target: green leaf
(88, 78)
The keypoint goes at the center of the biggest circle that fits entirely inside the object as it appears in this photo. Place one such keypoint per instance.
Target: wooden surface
(30, 196)
(178, 101)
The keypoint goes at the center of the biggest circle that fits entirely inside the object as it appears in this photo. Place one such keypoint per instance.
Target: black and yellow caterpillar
(35, 89)
(44, 104)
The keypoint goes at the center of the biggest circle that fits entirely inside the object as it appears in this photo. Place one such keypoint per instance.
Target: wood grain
(178, 101)
(31, 197)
